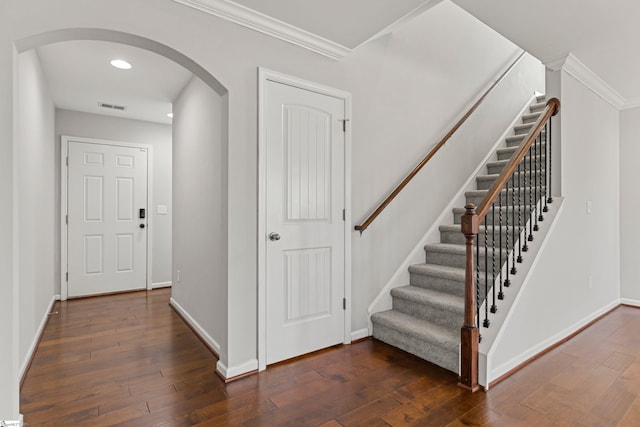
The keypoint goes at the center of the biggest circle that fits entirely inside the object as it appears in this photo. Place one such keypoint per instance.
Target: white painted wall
(74, 123)
(200, 214)
(9, 321)
(406, 87)
(557, 298)
(629, 204)
(36, 202)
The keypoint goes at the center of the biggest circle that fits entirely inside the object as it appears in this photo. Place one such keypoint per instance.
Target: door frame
(264, 76)
(64, 186)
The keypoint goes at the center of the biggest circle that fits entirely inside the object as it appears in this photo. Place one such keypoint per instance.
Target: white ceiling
(80, 75)
(347, 23)
(602, 35)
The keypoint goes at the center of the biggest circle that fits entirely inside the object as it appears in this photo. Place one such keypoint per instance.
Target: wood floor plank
(129, 360)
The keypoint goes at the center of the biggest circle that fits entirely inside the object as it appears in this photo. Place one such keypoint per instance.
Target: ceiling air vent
(112, 106)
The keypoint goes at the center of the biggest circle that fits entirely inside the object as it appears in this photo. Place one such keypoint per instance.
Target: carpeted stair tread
(428, 297)
(490, 228)
(503, 153)
(537, 107)
(514, 140)
(450, 273)
(445, 248)
(523, 128)
(506, 210)
(494, 176)
(449, 249)
(531, 117)
(419, 328)
(482, 193)
(502, 163)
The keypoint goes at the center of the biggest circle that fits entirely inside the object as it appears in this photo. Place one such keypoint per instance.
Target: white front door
(107, 218)
(305, 196)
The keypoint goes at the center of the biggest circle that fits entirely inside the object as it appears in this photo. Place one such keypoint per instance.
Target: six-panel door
(107, 236)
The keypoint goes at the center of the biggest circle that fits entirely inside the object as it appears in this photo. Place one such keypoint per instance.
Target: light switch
(162, 210)
(589, 207)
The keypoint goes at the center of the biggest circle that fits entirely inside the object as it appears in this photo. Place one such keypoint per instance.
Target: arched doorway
(203, 75)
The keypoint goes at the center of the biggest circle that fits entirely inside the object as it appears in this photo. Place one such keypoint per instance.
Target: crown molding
(556, 63)
(265, 24)
(631, 103)
(574, 67)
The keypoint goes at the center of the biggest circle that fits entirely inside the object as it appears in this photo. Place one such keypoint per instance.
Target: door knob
(141, 225)
(274, 236)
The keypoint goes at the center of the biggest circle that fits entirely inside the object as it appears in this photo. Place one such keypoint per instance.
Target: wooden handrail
(434, 150)
(552, 108)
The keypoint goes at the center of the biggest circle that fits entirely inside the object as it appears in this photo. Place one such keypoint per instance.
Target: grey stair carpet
(428, 313)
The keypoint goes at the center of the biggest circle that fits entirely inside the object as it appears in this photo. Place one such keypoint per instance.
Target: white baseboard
(36, 339)
(13, 423)
(161, 285)
(57, 297)
(359, 334)
(627, 301)
(549, 342)
(199, 330)
(238, 370)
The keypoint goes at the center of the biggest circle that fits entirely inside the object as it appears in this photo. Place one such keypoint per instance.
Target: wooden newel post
(469, 331)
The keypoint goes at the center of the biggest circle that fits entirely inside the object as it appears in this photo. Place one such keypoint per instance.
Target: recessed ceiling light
(170, 115)
(121, 63)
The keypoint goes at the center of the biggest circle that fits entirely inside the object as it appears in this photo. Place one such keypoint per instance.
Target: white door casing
(303, 231)
(106, 244)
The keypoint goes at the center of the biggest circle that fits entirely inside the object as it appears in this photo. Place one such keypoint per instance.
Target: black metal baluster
(507, 282)
(540, 180)
(550, 189)
(535, 183)
(494, 307)
(513, 217)
(531, 163)
(546, 167)
(478, 300)
(486, 322)
(519, 212)
(527, 157)
(501, 293)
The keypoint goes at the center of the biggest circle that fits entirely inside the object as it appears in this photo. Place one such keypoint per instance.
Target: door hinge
(66, 219)
(344, 214)
(67, 160)
(67, 276)
(344, 124)
(344, 303)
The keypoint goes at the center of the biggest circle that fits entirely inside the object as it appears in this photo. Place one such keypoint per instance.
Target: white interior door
(107, 218)
(305, 175)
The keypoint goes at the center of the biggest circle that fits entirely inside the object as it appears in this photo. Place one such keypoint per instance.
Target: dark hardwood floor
(129, 360)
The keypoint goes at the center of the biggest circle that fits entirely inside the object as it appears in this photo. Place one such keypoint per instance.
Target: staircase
(428, 313)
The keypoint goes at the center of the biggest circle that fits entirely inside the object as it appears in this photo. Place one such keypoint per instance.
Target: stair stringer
(491, 336)
(383, 301)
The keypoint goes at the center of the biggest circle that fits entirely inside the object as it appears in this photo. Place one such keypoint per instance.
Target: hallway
(129, 360)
